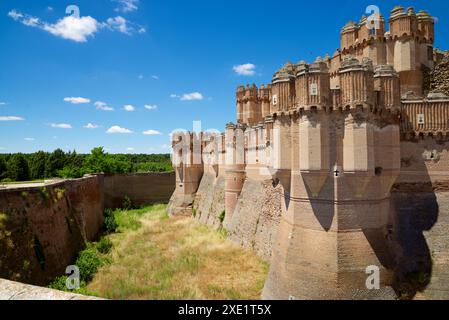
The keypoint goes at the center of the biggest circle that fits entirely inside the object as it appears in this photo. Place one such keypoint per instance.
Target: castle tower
(251, 106)
(403, 49)
(349, 35)
(426, 29)
(335, 225)
(387, 86)
(265, 100)
(188, 166)
(312, 85)
(356, 83)
(240, 95)
(235, 167)
(283, 89)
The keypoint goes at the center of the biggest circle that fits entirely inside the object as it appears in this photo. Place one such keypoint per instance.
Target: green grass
(155, 257)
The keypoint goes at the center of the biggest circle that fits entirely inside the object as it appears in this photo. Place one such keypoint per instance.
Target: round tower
(387, 84)
(240, 101)
(283, 89)
(356, 83)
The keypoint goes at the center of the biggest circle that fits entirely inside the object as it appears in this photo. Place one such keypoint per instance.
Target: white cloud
(118, 129)
(150, 107)
(188, 96)
(124, 26)
(78, 29)
(11, 118)
(29, 139)
(140, 76)
(247, 69)
(129, 108)
(155, 77)
(127, 5)
(2, 103)
(130, 149)
(100, 105)
(77, 100)
(91, 126)
(61, 125)
(151, 133)
(15, 15)
(192, 96)
(51, 9)
(120, 24)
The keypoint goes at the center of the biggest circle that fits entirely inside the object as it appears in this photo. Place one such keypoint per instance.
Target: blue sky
(159, 64)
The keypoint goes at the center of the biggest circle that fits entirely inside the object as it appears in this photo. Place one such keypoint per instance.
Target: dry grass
(177, 258)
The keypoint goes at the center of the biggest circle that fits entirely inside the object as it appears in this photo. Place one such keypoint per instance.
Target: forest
(42, 165)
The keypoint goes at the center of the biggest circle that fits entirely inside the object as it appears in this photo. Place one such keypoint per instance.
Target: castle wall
(43, 228)
(209, 201)
(255, 221)
(420, 204)
(141, 188)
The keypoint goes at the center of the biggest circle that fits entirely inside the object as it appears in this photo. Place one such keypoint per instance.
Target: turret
(426, 26)
(387, 86)
(349, 35)
(312, 85)
(251, 106)
(240, 97)
(265, 100)
(283, 89)
(403, 23)
(356, 81)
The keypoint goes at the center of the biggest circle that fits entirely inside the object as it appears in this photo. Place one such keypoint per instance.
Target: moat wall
(140, 188)
(42, 228)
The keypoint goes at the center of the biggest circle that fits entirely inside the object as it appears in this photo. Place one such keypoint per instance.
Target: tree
(18, 168)
(56, 161)
(96, 162)
(3, 168)
(37, 165)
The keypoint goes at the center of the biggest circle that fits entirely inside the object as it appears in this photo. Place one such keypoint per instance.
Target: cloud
(78, 29)
(150, 107)
(122, 25)
(29, 139)
(130, 149)
(140, 77)
(11, 118)
(61, 125)
(188, 96)
(77, 100)
(247, 69)
(100, 105)
(91, 126)
(151, 133)
(118, 129)
(155, 77)
(3, 103)
(129, 108)
(126, 5)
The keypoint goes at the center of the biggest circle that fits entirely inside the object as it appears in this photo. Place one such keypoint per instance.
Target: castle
(335, 168)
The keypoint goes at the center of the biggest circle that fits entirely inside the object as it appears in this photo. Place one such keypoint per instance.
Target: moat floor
(177, 258)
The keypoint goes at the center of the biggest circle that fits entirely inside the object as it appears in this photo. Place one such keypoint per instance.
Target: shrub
(104, 246)
(110, 222)
(88, 263)
(127, 204)
(222, 216)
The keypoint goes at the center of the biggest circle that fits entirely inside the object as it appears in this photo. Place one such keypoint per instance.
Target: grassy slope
(158, 258)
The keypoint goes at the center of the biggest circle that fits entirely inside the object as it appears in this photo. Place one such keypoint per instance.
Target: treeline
(59, 164)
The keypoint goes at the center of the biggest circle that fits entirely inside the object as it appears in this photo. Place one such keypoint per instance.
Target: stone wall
(141, 188)
(10, 290)
(43, 228)
(255, 221)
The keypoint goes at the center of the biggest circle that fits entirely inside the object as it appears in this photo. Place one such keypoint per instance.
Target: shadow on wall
(415, 210)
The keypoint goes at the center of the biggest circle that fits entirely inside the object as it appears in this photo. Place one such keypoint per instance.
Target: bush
(127, 204)
(222, 216)
(88, 263)
(110, 222)
(104, 246)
